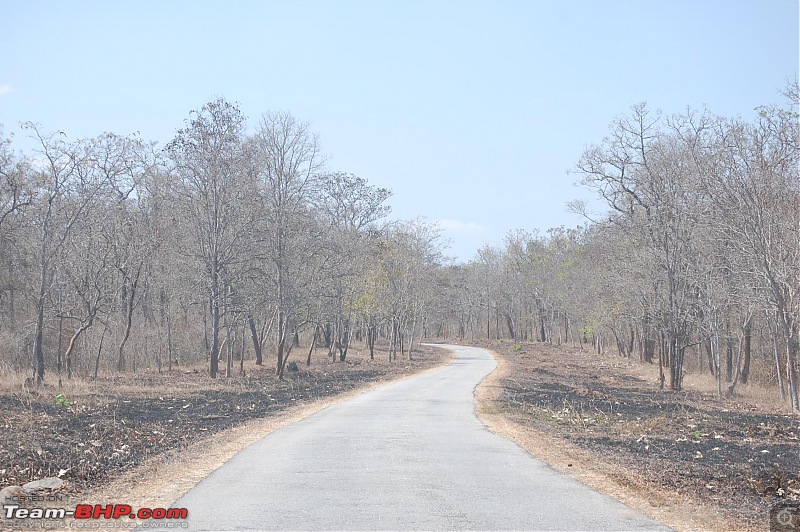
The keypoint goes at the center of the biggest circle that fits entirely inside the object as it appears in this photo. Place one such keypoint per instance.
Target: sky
(473, 113)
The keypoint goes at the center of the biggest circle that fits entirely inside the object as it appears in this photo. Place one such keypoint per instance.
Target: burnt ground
(737, 456)
(690, 444)
(104, 428)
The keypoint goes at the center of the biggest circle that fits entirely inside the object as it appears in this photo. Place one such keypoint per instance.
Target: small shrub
(61, 400)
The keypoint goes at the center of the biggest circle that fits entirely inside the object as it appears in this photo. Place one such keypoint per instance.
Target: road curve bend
(409, 455)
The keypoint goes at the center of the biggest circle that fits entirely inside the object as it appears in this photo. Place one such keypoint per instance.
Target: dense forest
(235, 241)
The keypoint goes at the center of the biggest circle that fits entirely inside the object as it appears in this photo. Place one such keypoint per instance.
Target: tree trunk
(333, 340)
(372, 335)
(510, 324)
(313, 345)
(170, 354)
(400, 338)
(214, 353)
(346, 341)
(229, 340)
(97, 358)
(791, 368)
(71, 346)
(748, 330)
(59, 361)
(712, 367)
(241, 353)
(256, 341)
(488, 321)
(121, 363)
(38, 351)
(411, 338)
(717, 361)
(728, 357)
(281, 343)
(732, 385)
(774, 335)
(542, 333)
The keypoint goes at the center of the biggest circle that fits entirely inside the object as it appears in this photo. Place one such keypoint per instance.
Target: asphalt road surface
(409, 455)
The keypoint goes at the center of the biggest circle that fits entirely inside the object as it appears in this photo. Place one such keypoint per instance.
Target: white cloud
(457, 226)
(6, 89)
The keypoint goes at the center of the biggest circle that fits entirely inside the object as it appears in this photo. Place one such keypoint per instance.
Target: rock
(51, 483)
(11, 491)
(292, 366)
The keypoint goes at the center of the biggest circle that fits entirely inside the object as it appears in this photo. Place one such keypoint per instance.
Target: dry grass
(679, 512)
(162, 480)
(756, 393)
(189, 444)
(11, 380)
(606, 417)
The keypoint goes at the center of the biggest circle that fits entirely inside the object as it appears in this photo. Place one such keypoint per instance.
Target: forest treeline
(233, 242)
(118, 253)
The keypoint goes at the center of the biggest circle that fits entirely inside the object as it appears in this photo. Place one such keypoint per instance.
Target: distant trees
(16, 190)
(647, 176)
(15, 186)
(67, 181)
(287, 168)
(752, 179)
(349, 208)
(228, 241)
(212, 191)
(699, 253)
(182, 252)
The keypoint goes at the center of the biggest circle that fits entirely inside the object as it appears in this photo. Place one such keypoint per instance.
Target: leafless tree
(66, 182)
(213, 193)
(287, 167)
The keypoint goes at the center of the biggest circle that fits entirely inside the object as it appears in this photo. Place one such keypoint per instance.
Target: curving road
(409, 455)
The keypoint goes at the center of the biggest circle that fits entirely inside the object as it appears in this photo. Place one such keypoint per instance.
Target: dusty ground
(146, 439)
(689, 459)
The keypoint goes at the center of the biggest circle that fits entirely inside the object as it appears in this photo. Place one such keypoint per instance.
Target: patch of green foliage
(61, 400)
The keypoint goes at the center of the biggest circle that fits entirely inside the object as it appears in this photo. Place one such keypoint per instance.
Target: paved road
(410, 455)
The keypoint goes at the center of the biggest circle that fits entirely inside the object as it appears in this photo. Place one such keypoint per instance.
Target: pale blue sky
(470, 111)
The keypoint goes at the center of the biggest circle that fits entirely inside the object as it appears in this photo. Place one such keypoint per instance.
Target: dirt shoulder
(146, 440)
(162, 480)
(687, 459)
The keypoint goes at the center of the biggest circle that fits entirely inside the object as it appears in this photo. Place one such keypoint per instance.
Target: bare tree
(287, 167)
(15, 191)
(213, 192)
(645, 174)
(752, 180)
(66, 183)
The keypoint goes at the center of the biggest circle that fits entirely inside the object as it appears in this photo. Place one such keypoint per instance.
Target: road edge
(568, 459)
(187, 467)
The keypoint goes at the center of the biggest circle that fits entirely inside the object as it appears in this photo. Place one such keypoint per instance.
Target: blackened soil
(737, 456)
(97, 429)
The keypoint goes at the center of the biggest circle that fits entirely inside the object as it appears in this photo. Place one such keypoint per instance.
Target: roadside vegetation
(689, 458)
(91, 432)
(233, 251)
